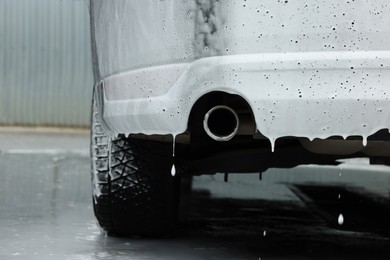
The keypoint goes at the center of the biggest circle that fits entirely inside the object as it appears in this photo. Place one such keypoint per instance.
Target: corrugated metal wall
(45, 62)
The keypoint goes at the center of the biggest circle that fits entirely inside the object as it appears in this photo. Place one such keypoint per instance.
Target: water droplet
(364, 141)
(340, 220)
(173, 170)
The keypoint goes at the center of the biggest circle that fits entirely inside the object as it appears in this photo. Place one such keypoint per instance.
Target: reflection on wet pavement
(45, 213)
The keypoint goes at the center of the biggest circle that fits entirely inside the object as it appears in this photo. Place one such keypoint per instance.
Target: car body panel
(313, 95)
(306, 68)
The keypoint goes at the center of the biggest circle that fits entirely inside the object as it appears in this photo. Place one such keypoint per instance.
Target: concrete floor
(46, 213)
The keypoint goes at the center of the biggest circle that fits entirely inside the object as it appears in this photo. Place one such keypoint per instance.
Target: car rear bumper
(310, 94)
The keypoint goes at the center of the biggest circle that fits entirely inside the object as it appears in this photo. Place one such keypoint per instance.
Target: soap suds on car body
(208, 24)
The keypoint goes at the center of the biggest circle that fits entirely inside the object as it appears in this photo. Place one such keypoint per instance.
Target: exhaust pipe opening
(221, 123)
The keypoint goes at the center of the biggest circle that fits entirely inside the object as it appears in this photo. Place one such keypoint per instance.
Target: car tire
(133, 190)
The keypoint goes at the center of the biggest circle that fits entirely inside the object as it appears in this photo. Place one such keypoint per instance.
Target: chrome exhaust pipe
(221, 123)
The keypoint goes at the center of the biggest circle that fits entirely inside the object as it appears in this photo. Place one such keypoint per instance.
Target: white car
(191, 87)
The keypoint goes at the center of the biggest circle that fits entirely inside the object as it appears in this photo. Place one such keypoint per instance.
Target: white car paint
(307, 68)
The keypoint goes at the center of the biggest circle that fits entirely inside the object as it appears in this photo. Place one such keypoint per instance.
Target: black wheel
(133, 190)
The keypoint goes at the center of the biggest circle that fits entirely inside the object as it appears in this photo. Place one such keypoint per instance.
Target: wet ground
(46, 213)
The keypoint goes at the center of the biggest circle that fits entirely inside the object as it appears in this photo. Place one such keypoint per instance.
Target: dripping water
(340, 219)
(173, 170)
(364, 141)
(272, 140)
